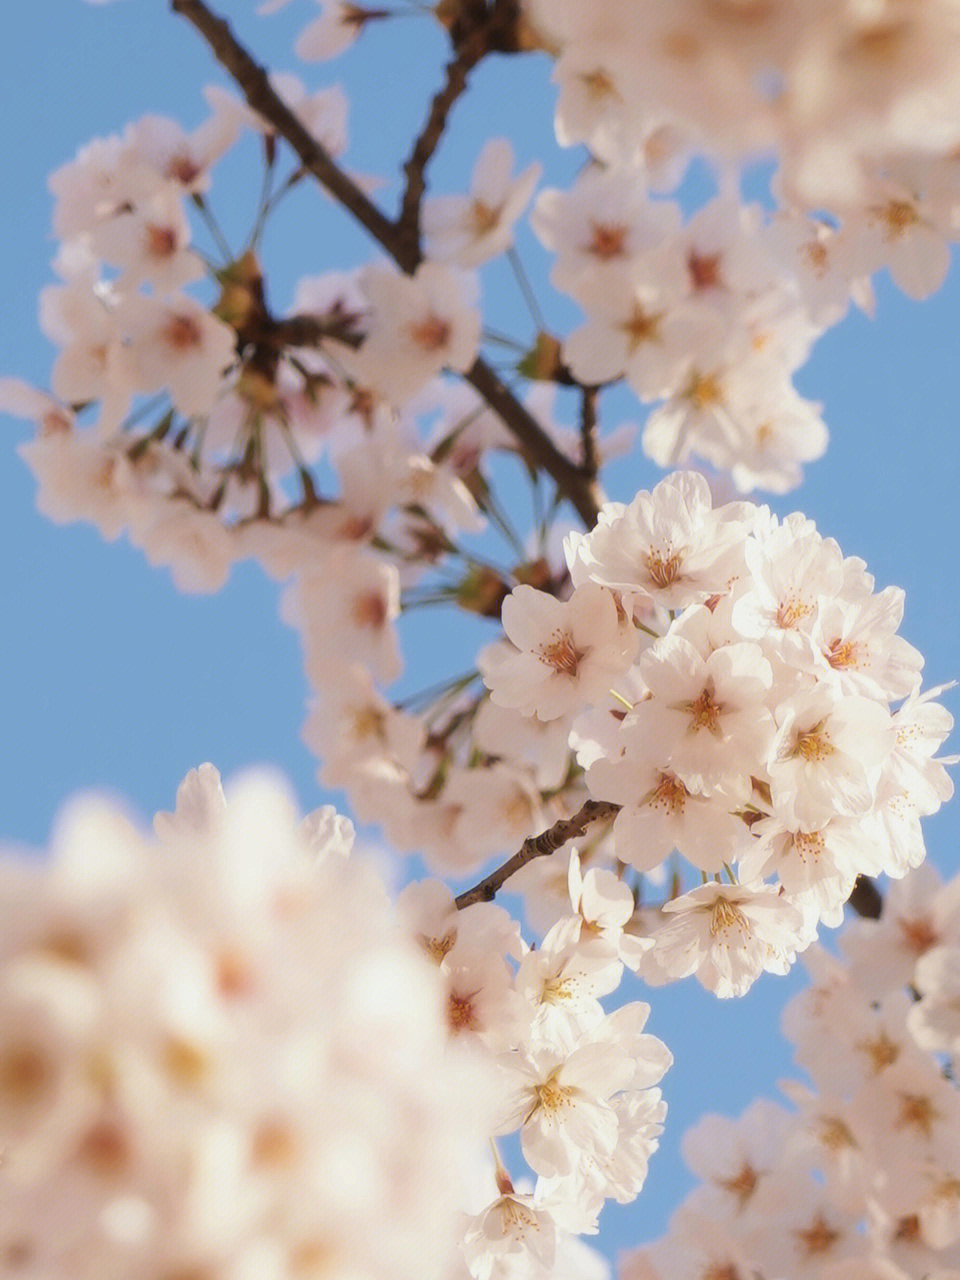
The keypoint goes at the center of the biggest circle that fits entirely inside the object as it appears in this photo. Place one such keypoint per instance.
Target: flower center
(835, 1134)
(183, 168)
(743, 1185)
(790, 612)
(161, 241)
(918, 935)
(812, 745)
(808, 844)
(432, 333)
(607, 240)
(598, 84)
(882, 1052)
(562, 654)
(642, 326)
(818, 1237)
(907, 1228)
(669, 794)
(897, 217)
(841, 654)
(817, 256)
(704, 390)
(704, 270)
(726, 915)
(461, 1015)
(24, 1074)
(917, 1112)
(704, 713)
(437, 948)
(664, 571)
(182, 333)
(552, 1096)
(483, 217)
(369, 610)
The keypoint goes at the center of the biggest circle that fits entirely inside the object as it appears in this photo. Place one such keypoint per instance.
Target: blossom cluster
(192, 1075)
(577, 1083)
(731, 681)
(192, 1057)
(860, 1179)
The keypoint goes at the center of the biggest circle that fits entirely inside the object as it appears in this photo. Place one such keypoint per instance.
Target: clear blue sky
(110, 678)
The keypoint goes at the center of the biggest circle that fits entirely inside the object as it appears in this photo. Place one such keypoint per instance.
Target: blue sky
(111, 679)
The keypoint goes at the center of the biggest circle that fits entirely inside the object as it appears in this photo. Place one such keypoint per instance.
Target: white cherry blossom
(567, 653)
(469, 230)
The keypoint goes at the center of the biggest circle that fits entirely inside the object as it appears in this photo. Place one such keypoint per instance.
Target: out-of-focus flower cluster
(192, 1069)
(860, 1180)
(193, 1076)
(745, 677)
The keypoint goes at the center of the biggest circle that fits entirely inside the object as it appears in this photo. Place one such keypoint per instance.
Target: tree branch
(253, 82)
(581, 489)
(588, 429)
(251, 78)
(458, 70)
(547, 842)
(866, 899)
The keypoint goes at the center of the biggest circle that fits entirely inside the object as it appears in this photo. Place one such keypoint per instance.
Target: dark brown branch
(588, 430)
(311, 331)
(415, 167)
(252, 80)
(475, 31)
(540, 846)
(581, 489)
(866, 899)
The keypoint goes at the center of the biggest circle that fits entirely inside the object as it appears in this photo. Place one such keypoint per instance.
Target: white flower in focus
(605, 905)
(818, 866)
(659, 814)
(826, 758)
(707, 718)
(562, 1101)
(568, 653)
(669, 545)
(727, 935)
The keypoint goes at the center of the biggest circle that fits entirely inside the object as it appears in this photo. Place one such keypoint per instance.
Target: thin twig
(540, 846)
(581, 489)
(251, 78)
(588, 430)
(458, 70)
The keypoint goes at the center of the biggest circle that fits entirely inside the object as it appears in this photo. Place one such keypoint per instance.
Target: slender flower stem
(526, 288)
